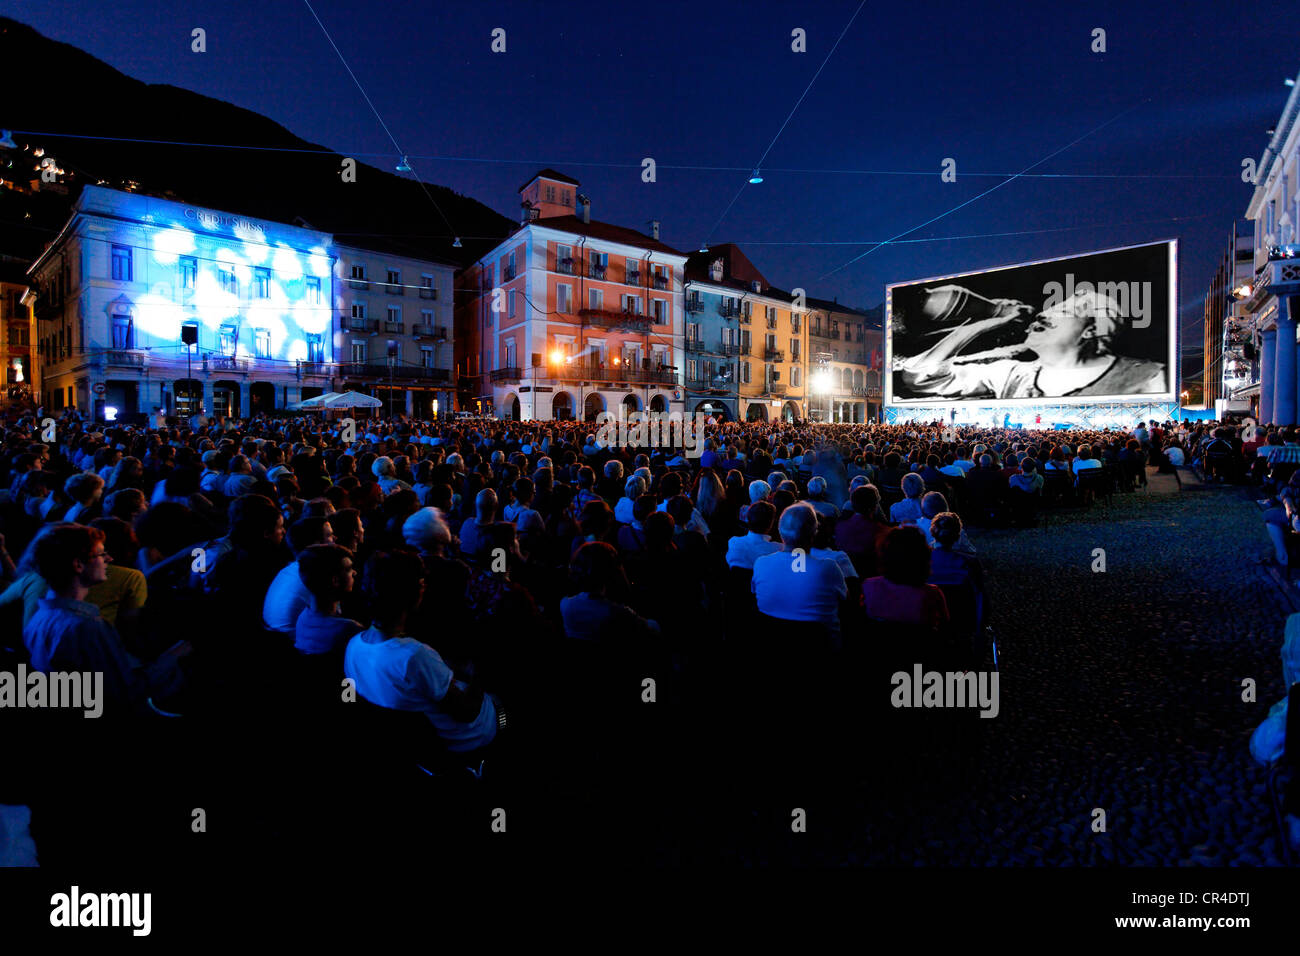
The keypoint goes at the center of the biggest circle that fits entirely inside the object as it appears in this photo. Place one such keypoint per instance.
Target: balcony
(773, 355)
(728, 311)
(710, 383)
(505, 375)
(393, 289)
(776, 389)
(429, 332)
(564, 266)
(612, 319)
(1279, 277)
(395, 328)
(123, 358)
(694, 345)
(694, 305)
(228, 363)
(771, 324)
(353, 324)
(615, 374)
(315, 368)
(398, 373)
(731, 348)
(661, 283)
(597, 272)
(358, 284)
(632, 278)
(428, 292)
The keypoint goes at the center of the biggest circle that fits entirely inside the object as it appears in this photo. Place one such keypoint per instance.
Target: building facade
(130, 278)
(1230, 369)
(20, 375)
(1272, 299)
(570, 317)
(846, 357)
(394, 335)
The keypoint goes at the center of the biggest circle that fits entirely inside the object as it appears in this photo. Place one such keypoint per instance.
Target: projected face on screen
(1080, 328)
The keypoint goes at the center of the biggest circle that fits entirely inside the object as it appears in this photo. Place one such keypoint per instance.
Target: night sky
(997, 87)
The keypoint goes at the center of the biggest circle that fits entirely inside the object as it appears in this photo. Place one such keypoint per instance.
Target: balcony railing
(661, 282)
(395, 328)
(771, 323)
(123, 358)
(352, 324)
(632, 278)
(228, 363)
(505, 374)
(612, 319)
(615, 374)
(402, 373)
(731, 348)
(1279, 277)
(429, 331)
(695, 345)
(694, 305)
(394, 289)
(564, 266)
(358, 284)
(315, 368)
(776, 388)
(773, 355)
(428, 292)
(597, 272)
(728, 311)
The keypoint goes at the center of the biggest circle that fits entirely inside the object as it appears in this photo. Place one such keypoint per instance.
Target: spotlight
(403, 166)
(6, 140)
(755, 177)
(456, 244)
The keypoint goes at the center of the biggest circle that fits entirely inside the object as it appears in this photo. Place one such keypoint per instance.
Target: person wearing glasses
(68, 634)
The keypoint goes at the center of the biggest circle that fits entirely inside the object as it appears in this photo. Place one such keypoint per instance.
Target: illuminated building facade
(846, 357)
(570, 317)
(130, 276)
(394, 334)
(18, 367)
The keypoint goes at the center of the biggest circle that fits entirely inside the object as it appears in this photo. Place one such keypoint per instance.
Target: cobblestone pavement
(1119, 690)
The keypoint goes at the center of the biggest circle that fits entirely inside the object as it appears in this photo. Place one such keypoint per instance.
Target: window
(632, 304)
(510, 265)
(394, 314)
(564, 298)
(595, 299)
(511, 302)
(745, 341)
(633, 272)
(795, 321)
(122, 263)
(229, 281)
(565, 199)
(358, 280)
(427, 356)
(227, 338)
(744, 372)
(564, 259)
(426, 318)
(795, 376)
(426, 287)
(189, 272)
(746, 308)
(315, 347)
(550, 194)
(358, 310)
(359, 353)
(770, 341)
(770, 311)
(660, 309)
(313, 290)
(794, 350)
(262, 283)
(262, 342)
(692, 370)
(692, 331)
(123, 331)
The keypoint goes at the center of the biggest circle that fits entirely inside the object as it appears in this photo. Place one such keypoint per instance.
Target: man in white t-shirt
(793, 585)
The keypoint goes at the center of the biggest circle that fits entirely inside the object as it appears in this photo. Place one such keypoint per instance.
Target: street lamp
(1182, 400)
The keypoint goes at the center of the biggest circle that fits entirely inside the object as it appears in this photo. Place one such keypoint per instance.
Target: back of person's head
(485, 505)
(986, 460)
(83, 487)
(759, 490)
(426, 529)
(125, 504)
(945, 528)
(1028, 466)
(643, 507)
(905, 556)
(58, 550)
(681, 508)
(524, 490)
(760, 516)
(394, 582)
(634, 487)
(595, 517)
(670, 484)
(865, 500)
(319, 567)
(913, 485)
(798, 525)
(119, 539)
(595, 567)
(614, 469)
(252, 520)
(817, 488)
(659, 528)
(320, 507)
(933, 503)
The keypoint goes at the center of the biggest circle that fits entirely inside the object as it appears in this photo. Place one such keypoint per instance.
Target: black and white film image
(1090, 327)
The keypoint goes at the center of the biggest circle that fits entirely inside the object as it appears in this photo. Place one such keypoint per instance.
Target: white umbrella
(316, 402)
(351, 400)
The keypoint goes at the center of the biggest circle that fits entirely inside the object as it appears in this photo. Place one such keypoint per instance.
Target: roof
(601, 230)
(829, 305)
(549, 173)
(737, 271)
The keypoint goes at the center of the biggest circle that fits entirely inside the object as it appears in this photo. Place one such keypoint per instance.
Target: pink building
(569, 317)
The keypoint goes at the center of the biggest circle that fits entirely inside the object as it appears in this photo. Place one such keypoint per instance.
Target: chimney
(586, 208)
(654, 229)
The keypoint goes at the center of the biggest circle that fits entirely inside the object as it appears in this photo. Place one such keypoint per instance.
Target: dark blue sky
(996, 86)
